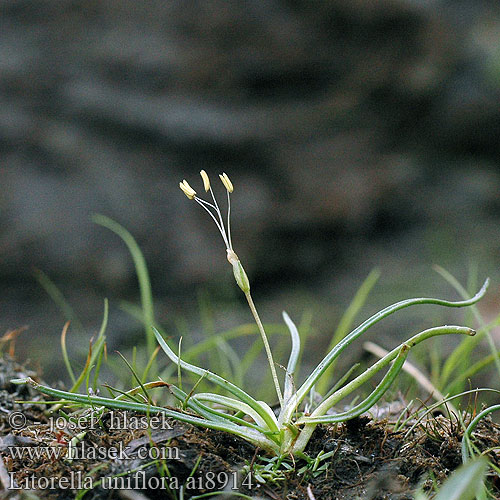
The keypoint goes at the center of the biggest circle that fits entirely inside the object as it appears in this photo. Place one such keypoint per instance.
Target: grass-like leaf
(346, 322)
(465, 483)
(64, 351)
(57, 296)
(142, 276)
(357, 332)
(463, 351)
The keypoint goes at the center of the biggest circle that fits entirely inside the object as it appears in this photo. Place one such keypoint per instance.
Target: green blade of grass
(460, 379)
(305, 330)
(98, 369)
(234, 368)
(216, 359)
(292, 360)
(86, 369)
(452, 363)
(250, 356)
(458, 360)
(135, 376)
(150, 363)
(102, 344)
(56, 295)
(67, 362)
(470, 429)
(346, 322)
(91, 357)
(104, 323)
(465, 483)
(142, 276)
(342, 380)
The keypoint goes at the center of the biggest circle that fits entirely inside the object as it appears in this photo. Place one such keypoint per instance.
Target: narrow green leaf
(56, 295)
(221, 382)
(470, 429)
(142, 276)
(475, 311)
(464, 483)
(365, 405)
(357, 332)
(294, 356)
(346, 322)
(135, 376)
(64, 350)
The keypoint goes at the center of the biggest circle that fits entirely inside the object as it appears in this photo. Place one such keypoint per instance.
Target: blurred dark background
(357, 134)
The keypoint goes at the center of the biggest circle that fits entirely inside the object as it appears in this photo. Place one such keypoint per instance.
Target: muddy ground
(368, 459)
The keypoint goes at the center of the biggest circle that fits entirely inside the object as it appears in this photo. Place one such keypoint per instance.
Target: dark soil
(369, 460)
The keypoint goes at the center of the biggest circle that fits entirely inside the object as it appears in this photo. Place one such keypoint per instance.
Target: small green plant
(289, 429)
(268, 470)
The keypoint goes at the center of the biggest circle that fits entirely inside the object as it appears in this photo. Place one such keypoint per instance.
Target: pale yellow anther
(187, 189)
(227, 183)
(206, 180)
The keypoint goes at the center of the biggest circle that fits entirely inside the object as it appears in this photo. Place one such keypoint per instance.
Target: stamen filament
(220, 217)
(206, 203)
(221, 230)
(229, 221)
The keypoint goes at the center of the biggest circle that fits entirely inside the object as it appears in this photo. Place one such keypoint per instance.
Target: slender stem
(475, 311)
(229, 221)
(266, 345)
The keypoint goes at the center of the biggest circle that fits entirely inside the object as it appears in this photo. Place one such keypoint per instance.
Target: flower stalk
(239, 273)
(266, 346)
